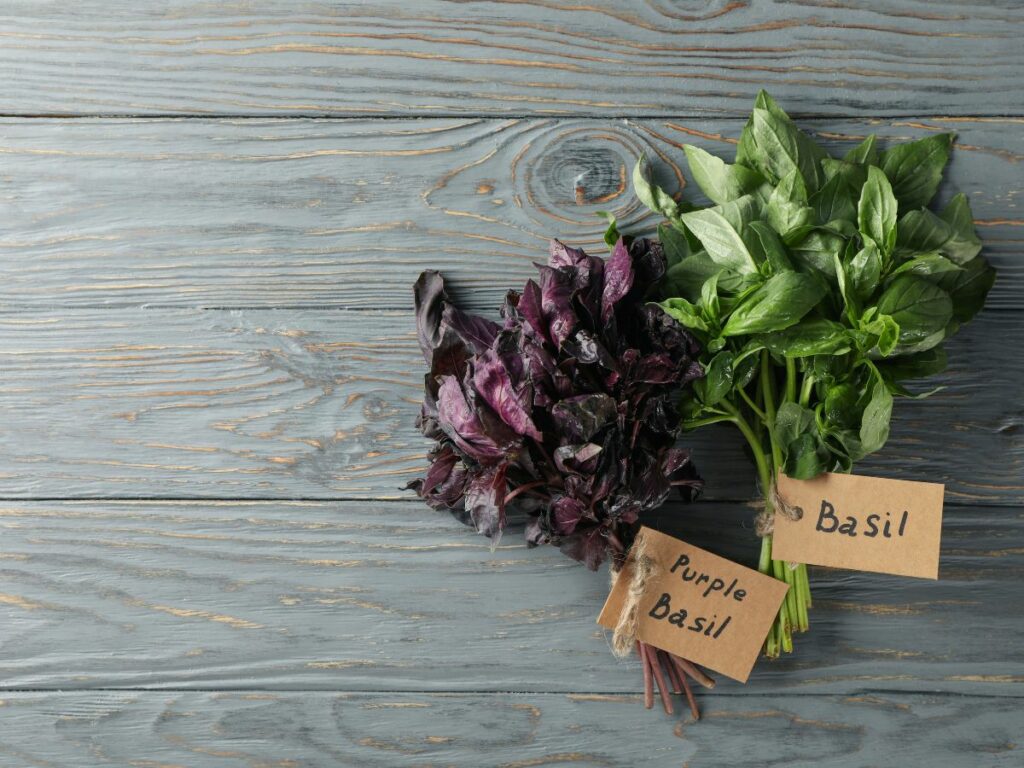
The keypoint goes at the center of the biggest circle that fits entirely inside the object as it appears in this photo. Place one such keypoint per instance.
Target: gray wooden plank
(111, 729)
(512, 57)
(314, 213)
(321, 404)
(380, 596)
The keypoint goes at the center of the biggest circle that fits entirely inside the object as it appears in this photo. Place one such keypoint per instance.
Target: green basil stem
(793, 612)
(806, 388)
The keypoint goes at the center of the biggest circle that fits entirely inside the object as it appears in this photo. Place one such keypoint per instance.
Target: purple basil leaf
(535, 534)
(462, 423)
(580, 418)
(566, 512)
(588, 547)
(579, 459)
(430, 299)
(556, 302)
(477, 332)
(485, 501)
(618, 279)
(492, 381)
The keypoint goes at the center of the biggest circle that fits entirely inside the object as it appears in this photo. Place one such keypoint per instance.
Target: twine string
(764, 522)
(644, 568)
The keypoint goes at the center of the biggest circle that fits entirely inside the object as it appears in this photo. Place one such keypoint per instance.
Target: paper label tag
(700, 606)
(862, 523)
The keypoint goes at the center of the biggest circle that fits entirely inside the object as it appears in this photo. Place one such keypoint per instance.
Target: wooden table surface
(212, 214)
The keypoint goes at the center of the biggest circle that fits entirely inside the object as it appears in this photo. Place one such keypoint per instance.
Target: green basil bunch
(817, 286)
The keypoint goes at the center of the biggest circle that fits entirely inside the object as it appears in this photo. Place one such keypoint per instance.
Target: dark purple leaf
(588, 547)
(485, 500)
(477, 332)
(566, 512)
(618, 279)
(535, 534)
(580, 418)
(530, 308)
(579, 459)
(463, 425)
(492, 382)
(556, 302)
(430, 299)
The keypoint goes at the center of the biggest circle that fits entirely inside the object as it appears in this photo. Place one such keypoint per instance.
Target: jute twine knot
(644, 568)
(764, 522)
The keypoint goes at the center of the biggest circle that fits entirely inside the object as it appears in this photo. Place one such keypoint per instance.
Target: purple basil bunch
(565, 410)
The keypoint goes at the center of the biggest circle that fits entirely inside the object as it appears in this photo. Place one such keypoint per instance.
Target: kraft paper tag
(699, 606)
(862, 523)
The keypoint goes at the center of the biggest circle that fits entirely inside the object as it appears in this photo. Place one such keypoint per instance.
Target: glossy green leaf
(777, 304)
(686, 313)
(674, 243)
(813, 336)
(864, 271)
(876, 211)
(968, 287)
(921, 308)
(865, 153)
(717, 179)
(650, 194)
(874, 427)
(721, 239)
(915, 169)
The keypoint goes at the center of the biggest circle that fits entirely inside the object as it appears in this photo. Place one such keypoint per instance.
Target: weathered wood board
(322, 403)
(879, 57)
(212, 214)
(312, 213)
(364, 596)
(108, 729)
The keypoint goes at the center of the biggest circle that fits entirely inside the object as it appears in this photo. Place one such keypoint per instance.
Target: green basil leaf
(782, 147)
(791, 421)
(818, 250)
(709, 297)
(876, 211)
(834, 201)
(921, 308)
(787, 208)
(717, 179)
(650, 194)
(968, 287)
(916, 366)
(813, 336)
(718, 378)
(686, 278)
(686, 313)
(964, 245)
(865, 153)
(806, 458)
(674, 243)
(921, 231)
(886, 333)
(926, 265)
(721, 239)
(865, 270)
(841, 405)
(804, 455)
(874, 426)
(850, 301)
(915, 169)
(764, 243)
(852, 174)
(611, 234)
(775, 305)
